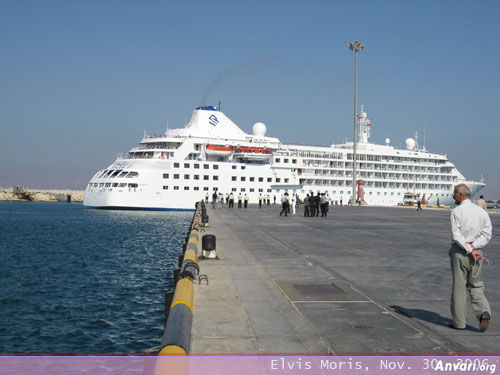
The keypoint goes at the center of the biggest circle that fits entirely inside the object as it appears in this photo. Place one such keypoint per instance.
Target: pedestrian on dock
(260, 200)
(317, 201)
(306, 206)
(214, 200)
(240, 200)
(274, 199)
(312, 205)
(231, 200)
(471, 231)
(206, 198)
(284, 204)
(419, 205)
(246, 201)
(322, 204)
(482, 203)
(294, 203)
(268, 200)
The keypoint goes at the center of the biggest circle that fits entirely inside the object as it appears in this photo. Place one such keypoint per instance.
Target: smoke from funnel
(234, 70)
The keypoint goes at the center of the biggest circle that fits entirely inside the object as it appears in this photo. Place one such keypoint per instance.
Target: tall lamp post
(356, 47)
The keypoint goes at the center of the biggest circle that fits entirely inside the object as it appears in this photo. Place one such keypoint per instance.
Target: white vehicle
(410, 199)
(174, 170)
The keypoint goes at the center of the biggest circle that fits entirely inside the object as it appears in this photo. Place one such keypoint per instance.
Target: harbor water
(75, 280)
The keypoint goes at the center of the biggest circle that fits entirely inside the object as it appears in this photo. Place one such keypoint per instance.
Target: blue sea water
(75, 280)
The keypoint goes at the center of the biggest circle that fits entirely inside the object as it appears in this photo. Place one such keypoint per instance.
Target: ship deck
(362, 280)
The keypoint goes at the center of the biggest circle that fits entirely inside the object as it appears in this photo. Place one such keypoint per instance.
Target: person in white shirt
(294, 202)
(482, 203)
(471, 231)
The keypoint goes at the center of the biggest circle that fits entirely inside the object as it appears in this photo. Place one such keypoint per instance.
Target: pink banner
(248, 364)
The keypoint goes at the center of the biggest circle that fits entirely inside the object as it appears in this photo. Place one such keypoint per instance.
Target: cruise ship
(212, 154)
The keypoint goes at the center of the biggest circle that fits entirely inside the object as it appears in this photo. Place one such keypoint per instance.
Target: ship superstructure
(211, 153)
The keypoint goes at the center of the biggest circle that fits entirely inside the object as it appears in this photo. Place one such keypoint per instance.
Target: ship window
(205, 166)
(215, 178)
(196, 176)
(261, 179)
(286, 179)
(116, 173)
(196, 166)
(215, 189)
(285, 160)
(294, 161)
(176, 176)
(108, 184)
(233, 189)
(122, 185)
(269, 179)
(215, 166)
(243, 178)
(205, 188)
(278, 160)
(234, 166)
(165, 187)
(252, 179)
(261, 190)
(252, 190)
(186, 177)
(278, 179)
(243, 189)
(206, 177)
(269, 190)
(132, 174)
(176, 165)
(186, 165)
(196, 188)
(132, 185)
(186, 187)
(165, 175)
(176, 187)
(233, 178)
(122, 174)
(115, 184)
(243, 167)
(101, 184)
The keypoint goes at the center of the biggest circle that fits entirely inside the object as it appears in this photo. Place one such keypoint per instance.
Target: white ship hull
(174, 170)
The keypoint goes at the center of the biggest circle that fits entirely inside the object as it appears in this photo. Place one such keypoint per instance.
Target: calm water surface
(85, 281)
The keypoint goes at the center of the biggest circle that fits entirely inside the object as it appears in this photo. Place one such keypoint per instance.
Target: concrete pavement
(362, 280)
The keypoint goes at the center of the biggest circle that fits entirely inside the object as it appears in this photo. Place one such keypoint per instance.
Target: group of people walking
(313, 204)
(242, 199)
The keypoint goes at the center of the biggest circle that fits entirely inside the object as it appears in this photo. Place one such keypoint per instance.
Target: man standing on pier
(471, 231)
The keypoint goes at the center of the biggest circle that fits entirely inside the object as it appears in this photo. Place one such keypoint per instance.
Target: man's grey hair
(463, 189)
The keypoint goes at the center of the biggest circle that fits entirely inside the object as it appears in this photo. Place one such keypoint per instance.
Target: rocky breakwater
(40, 195)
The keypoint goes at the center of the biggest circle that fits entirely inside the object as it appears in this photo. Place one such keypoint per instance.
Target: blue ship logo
(212, 120)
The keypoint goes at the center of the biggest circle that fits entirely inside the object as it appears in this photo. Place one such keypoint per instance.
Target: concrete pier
(362, 280)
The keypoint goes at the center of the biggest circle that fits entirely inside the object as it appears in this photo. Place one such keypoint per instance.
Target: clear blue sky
(81, 80)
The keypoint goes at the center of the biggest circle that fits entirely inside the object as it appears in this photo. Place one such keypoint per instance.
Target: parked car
(492, 204)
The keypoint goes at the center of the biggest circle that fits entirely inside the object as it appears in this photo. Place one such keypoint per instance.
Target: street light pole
(356, 47)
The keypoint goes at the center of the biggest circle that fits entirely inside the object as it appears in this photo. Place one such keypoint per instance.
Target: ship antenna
(424, 140)
(219, 106)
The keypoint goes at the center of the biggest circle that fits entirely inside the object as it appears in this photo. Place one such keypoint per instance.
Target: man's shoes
(452, 325)
(484, 321)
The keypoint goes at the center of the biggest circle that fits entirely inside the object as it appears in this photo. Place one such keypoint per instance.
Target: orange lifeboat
(253, 153)
(216, 150)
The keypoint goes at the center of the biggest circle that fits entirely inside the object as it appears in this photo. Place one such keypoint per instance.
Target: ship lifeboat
(252, 153)
(216, 150)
